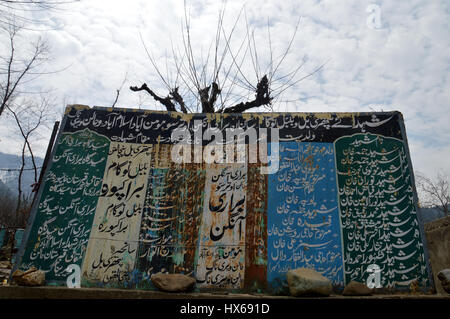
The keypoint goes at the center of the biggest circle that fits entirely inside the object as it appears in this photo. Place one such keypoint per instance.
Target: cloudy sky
(378, 55)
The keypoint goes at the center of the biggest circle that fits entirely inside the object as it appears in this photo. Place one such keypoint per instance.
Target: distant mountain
(9, 172)
(430, 214)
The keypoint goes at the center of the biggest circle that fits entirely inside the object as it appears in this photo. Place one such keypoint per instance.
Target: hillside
(9, 174)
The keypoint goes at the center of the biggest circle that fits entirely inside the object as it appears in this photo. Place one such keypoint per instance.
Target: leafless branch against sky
(434, 191)
(229, 87)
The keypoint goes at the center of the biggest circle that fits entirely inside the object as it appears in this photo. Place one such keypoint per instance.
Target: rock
(304, 281)
(444, 276)
(355, 288)
(31, 277)
(446, 288)
(173, 282)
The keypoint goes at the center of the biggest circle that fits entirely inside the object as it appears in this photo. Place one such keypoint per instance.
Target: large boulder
(355, 288)
(444, 277)
(173, 282)
(31, 277)
(304, 281)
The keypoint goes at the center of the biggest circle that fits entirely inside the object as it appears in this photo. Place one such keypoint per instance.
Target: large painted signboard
(235, 200)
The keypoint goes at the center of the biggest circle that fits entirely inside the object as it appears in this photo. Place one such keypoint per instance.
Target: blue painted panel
(303, 215)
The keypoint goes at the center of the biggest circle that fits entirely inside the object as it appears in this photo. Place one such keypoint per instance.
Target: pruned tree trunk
(209, 97)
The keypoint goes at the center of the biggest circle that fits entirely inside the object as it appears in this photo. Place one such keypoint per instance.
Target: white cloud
(403, 66)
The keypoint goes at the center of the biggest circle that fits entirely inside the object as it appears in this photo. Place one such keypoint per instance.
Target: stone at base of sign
(5, 264)
(304, 281)
(355, 288)
(446, 288)
(31, 277)
(444, 277)
(173, 282)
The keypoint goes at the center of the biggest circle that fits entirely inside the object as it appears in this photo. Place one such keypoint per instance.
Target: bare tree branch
(164, 101)
(434, 192)
(118, 90)
(262, 98)
(29, 116)
(229, 89)
(25, 13)
(15, 76)
(177, 98)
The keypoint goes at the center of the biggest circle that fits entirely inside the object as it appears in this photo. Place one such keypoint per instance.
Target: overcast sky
(380, 55)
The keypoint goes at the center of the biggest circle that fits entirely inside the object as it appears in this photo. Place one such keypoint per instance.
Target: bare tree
(20, 65)
(26, 12)
(219, 81)
(29, 115)
(434, 192)
(22, 62)
(19, 68)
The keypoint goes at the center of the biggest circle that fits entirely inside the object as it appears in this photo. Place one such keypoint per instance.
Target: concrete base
(19, 292)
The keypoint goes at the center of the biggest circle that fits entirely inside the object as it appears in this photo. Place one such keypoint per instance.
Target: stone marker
(444, 277)
(304, 281)
(31, 277)
(355, 288)
(173, 282)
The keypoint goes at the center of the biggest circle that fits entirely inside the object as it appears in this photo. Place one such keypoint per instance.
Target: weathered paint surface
(221, 247)
(115, 203)
(379, 219)
(303, 223)
(60, 232)
(112, 248)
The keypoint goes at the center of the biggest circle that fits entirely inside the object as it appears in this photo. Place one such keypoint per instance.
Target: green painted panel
(63, 221)
(378, 215)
